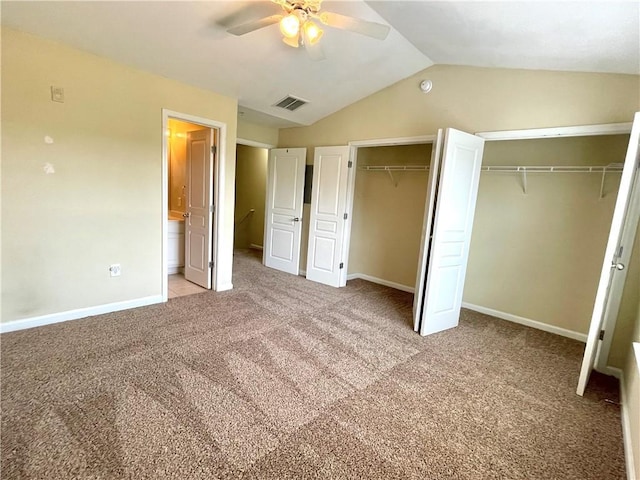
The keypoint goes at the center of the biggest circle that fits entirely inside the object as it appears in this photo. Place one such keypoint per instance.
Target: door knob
(296, 219)
(618, 266)
(186, 215)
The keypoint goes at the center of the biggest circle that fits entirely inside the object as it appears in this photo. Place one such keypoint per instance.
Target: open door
(283, 209)
(328, 215)
(198, 262)
(612, 264)
(448, 250)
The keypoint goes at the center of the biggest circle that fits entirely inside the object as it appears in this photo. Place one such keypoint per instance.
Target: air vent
(291, 103)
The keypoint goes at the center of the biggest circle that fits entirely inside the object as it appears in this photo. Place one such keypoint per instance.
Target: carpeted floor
(282, 378)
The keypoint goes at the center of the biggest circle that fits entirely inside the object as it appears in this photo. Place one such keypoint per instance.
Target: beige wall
(251, 184)
(476, 99)
(257, 133)
(177, 156)
(387, 219)
(103, 205)
(543, 251)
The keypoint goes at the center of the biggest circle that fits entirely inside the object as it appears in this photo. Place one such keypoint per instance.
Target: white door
(623, 256)
(452, 225)
(283, 209)
(425, 241)
(199, 215)
(611, 255)
(328, 215)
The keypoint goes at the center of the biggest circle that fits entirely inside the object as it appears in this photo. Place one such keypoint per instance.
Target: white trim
(302, 273)
(527, 322)
(219, 178)
(381, 142)
(256, 247)
(554, 132)
(78, 313)
(252, 143)
(626, 431)
(380, 281)
(636, 351)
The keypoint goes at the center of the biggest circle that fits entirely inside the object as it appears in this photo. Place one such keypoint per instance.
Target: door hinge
(211, 264)
(214, 149)
(212, 208)
(601, 336)
(350, 164)
(341, 265)
(345, 216)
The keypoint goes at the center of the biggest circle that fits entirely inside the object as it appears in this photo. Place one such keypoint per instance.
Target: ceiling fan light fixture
(292, 42)
(312, 33)
(290, 25)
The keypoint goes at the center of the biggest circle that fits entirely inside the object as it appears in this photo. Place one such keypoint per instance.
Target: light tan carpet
(282, 378)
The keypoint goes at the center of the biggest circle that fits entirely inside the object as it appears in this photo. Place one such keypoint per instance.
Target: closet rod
(612, 167)
(394, 168)
(407, 168)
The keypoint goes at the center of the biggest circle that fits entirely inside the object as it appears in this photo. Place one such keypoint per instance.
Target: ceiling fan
(299, 29)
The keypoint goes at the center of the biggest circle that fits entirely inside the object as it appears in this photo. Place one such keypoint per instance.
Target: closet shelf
(394, 168)
(523, 170)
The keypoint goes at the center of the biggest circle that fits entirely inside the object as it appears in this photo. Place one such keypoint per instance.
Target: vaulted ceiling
(188, 41)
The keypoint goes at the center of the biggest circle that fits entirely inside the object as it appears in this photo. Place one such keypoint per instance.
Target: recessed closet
(388, 212)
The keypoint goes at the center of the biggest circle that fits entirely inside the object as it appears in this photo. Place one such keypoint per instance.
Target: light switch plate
(57, 94)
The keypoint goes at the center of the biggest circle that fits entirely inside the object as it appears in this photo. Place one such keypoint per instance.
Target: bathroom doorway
(191, 193)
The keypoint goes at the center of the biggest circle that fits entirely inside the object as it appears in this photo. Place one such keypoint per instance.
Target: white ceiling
(187, 41)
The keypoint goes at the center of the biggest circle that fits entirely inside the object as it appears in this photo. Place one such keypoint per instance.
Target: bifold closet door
(444, 257)
(612, 265)
(283, 209)
(325, 262)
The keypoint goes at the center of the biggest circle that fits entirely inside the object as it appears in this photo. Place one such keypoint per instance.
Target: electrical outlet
(115, 270)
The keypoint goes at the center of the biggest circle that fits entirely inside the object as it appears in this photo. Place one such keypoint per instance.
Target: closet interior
(388, 211)
(543, 215)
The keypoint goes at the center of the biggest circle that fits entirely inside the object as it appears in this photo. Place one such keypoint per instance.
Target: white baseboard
(302, 273)
(174, 270)
(527, 322)
(256, 247)
(612, 372)
(380, 281)
(626, 432)
(78, 313)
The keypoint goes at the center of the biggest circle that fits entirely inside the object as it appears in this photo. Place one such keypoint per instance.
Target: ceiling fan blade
(254, 25)
(364, 27)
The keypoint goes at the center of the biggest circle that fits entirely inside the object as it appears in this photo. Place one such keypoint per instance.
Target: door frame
(623, 128)
(219, 178)
(351, 184)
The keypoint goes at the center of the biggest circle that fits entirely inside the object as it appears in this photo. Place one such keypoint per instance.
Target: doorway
(192, 183)
(178, 135)
(250, 194)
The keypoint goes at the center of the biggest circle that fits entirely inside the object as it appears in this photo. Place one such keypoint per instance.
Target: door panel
(453, 222)
(328, 209)
(199, 193)
(604, 295)
(283, 222)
